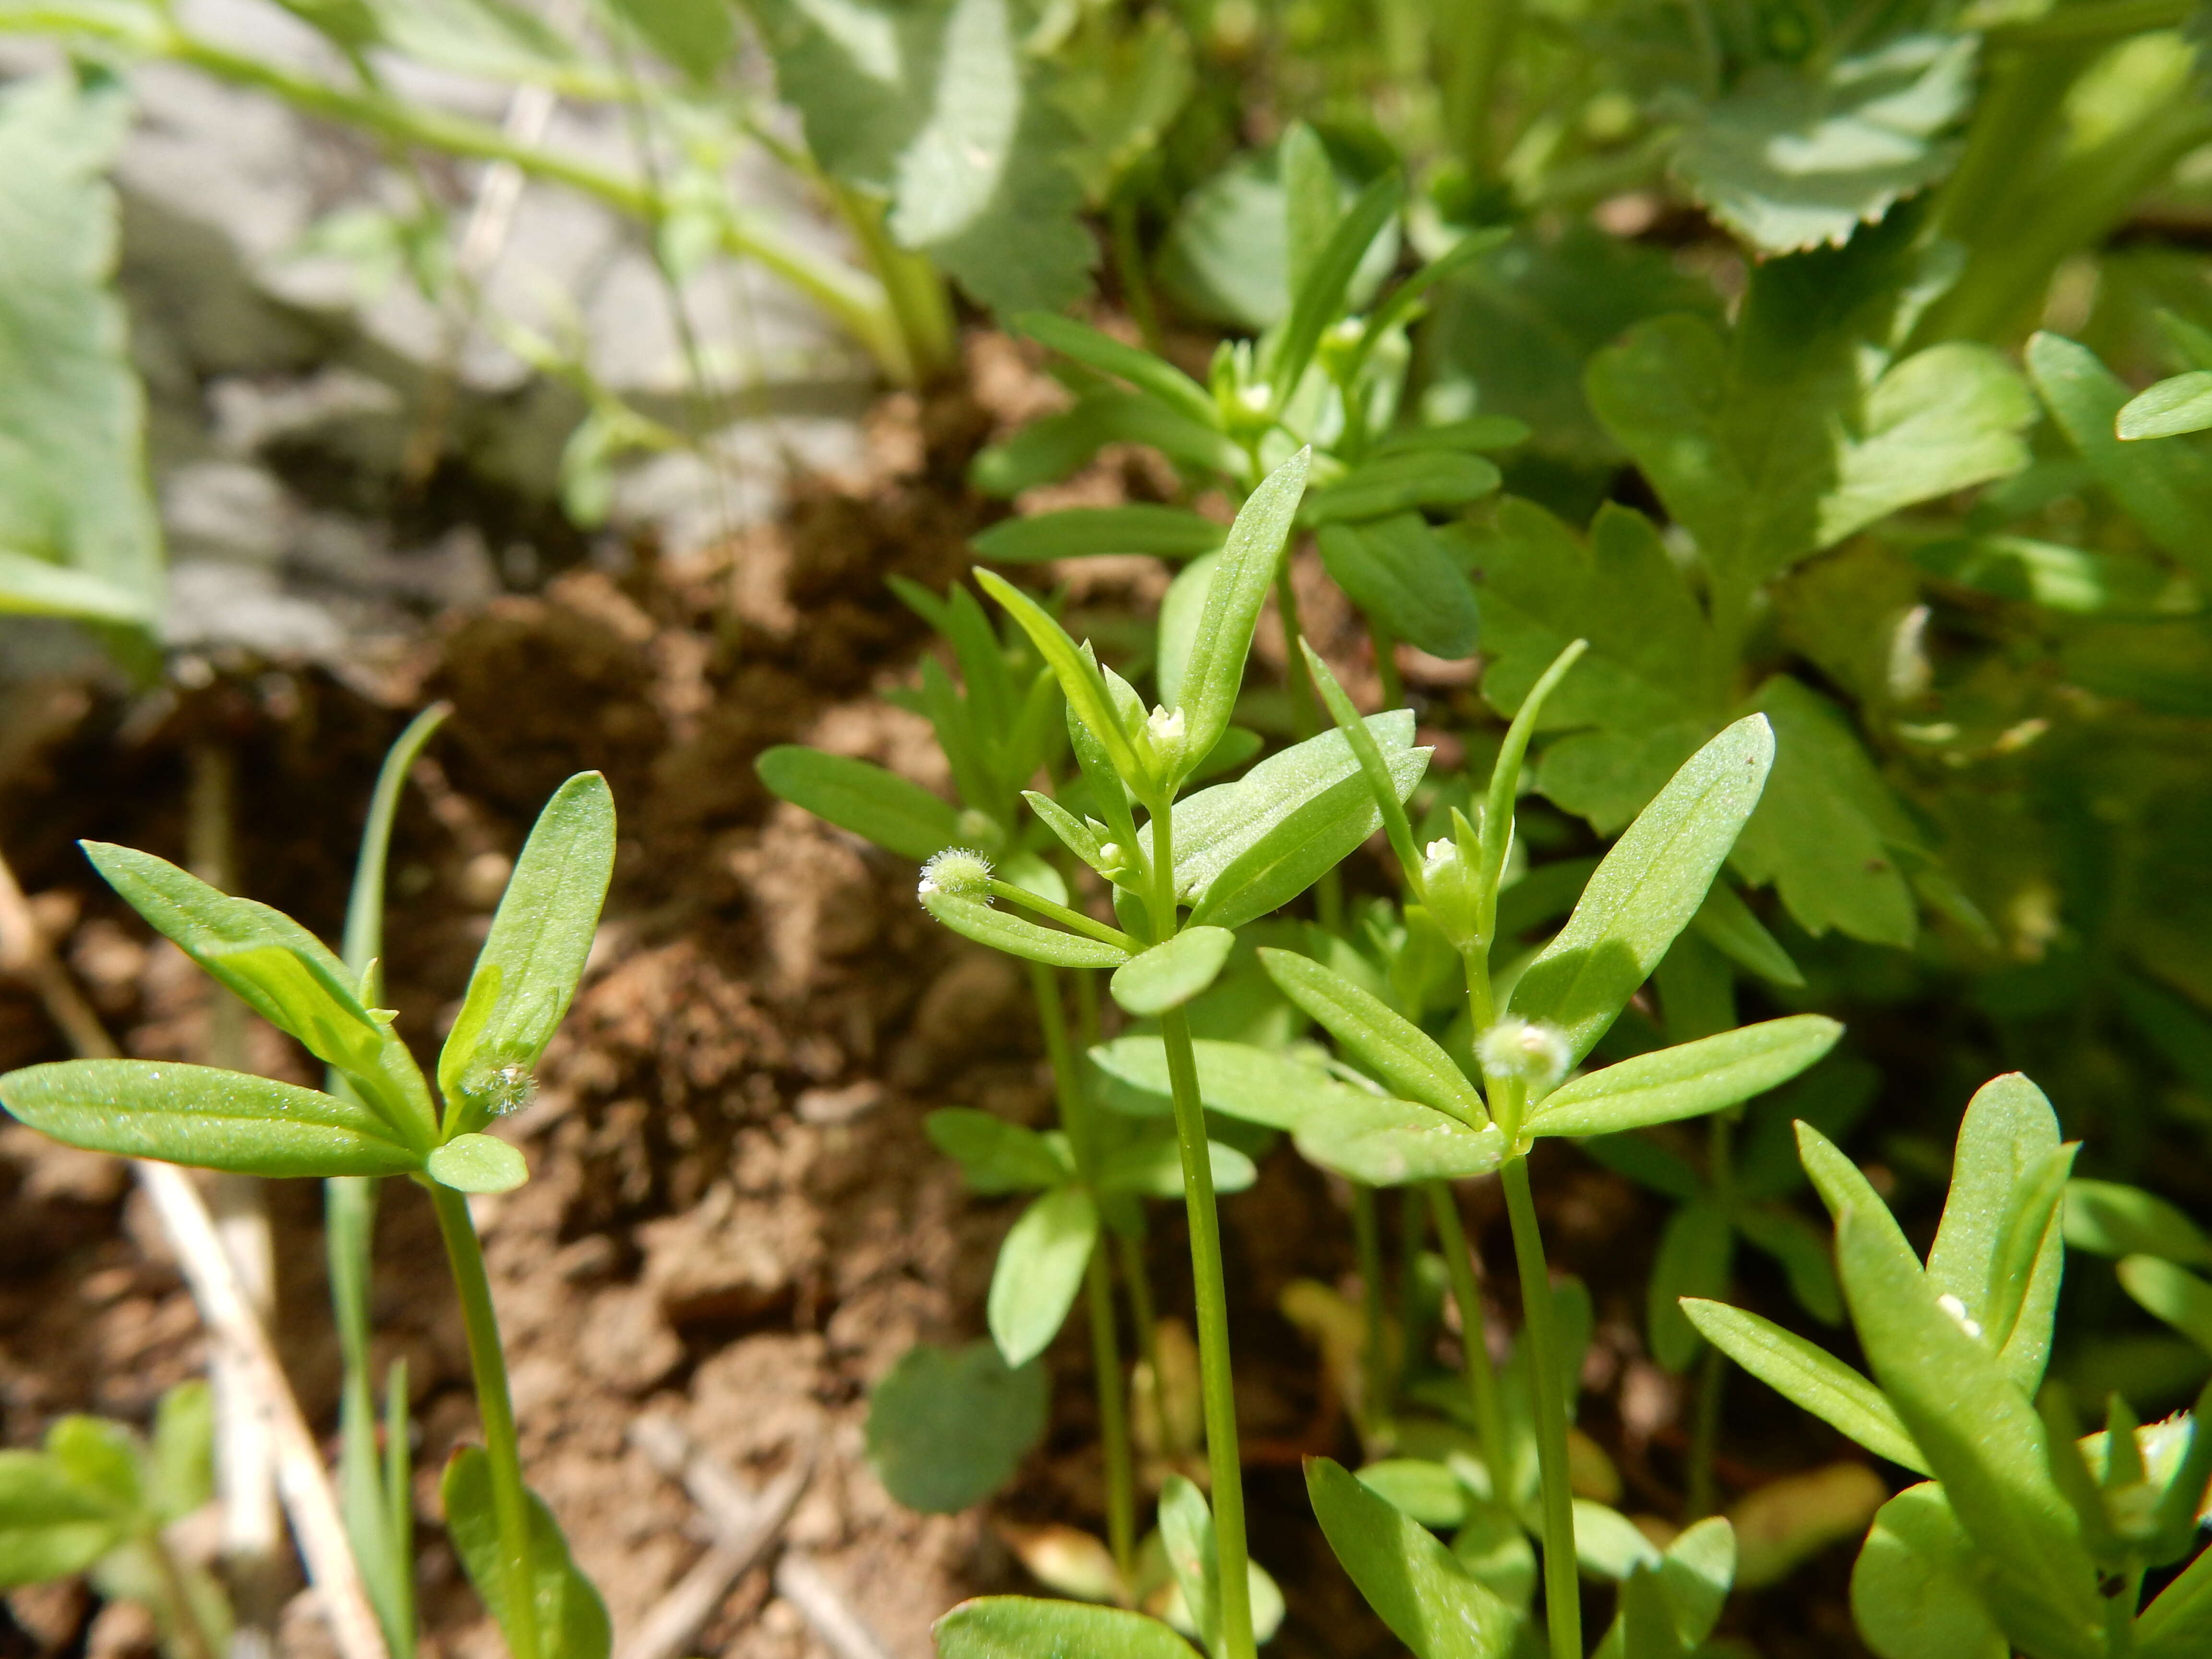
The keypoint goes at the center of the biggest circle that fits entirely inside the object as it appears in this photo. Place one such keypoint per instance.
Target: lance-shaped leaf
(533, 957)
(1039, 1271)
(1234, 1078)
(1401, 483)
(2168, 408)
(1430, 1601)
(1396, 570)
(2109, 1219)
(1215, 670)
(205, 1116)
(1187, 1534)
(1088, 699)
(1153, 1168)
(1914, 1594)
(1687, 1079)
(1023, 1628)
(1647, 888)
(1047, 451)
(2008, 1130)
(572, 1620)
(993, 1155)
(1809, 1376)
(1383, 1142)
(878, 805)
(1140, 369)
(2173, 1294)
(1982, 1437)
(1406, 1059)
(1320, 299)
(1019, 936)
(1173, 971)
(1170, 532)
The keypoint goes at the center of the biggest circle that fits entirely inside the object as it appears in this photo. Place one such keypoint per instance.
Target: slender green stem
(1217, 1389)
(186, 1627)
(1129, 267)
(1105, 1350)
(510, 1502)
(1374, 1360)
(1305, 706)
(1073, 920)
(1705, 1435)
(1563, 1611)
(1481, 1375)
(920, 307)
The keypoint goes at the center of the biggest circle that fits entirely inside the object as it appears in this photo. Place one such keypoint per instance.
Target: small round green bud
(959, 872)
(1533, 1051)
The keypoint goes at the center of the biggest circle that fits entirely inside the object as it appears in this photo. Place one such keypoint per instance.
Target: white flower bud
(1533, 1051)
(959, 872)
(1256, 398)
(1165, 726)
(1951, 1305)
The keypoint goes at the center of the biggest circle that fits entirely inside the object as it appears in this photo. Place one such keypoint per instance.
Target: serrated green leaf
(1809, 1377)
(877, 804)
(2110, 1219)
(1427, 1597)
(1398, 483)
(572, 1620)
(1021, 1627)
(1795, 156)
(78, 535)
(1983, 1439)
(533, 957)
(993, 1155)
(1405, 1058)
(1214, 671)
(947, 1427)
(1396, 570)
(1914, 1594)
(203, 1116)
(1170, 532)
(1039, 1272)
(1172, 972)
(1647, 888)
(1686, 1080)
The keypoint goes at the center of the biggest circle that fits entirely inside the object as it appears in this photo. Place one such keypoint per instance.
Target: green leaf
(1795, 156)
(1214, 672)
(693, 35)
(937, 107)
(472, 1162)
(1022, 1627)
(1227, 257)
(1476, 431)
(1234, 1078)
(1047, 450)
(1982, 1437)
(1319, 298)
(1040, 1270)
(1828, 831)
(876, 805)
(1399, 482)
(1398, 573)
(572, 1620)
(947, 1427)
(51, 1524)
(1691, 1264)
(1914, 1591)
(1686, 1080)
(2176, 1625)
(1430, 1601)
(205, 1116)
(1088, 698)
(993, 1155)
(1152, 375)
(1607, 1544)
(1173, 972)
(1809, 1378)
(1242, 849)
(2109, 1219)
(78, 535)
(1647, 887)
(181, 1475)
(1803, 1255)
(533, 957)
(1170, 532)
(1387, 1143)
(2008, 1130)
(1153, 1168)
(1428, 1491)
(1123, 91)
(2166, 489)
(1019, 936)
(1404, 1057)
(1187, 1534)
(1725, 922)
(2173, 1294)
(2168, 409)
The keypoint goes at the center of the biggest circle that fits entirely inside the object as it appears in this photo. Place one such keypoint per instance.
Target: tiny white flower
(1440, 849)
(1534, 1050)
(1256, 398)
(1109, 854)
(1951, 1305)
(958, 871)
(1165, 726)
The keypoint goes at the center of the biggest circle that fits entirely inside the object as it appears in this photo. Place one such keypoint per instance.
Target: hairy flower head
(960, 872)
(1533, 1050)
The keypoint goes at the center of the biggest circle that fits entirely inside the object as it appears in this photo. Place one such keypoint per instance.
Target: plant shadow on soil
(734, 1216)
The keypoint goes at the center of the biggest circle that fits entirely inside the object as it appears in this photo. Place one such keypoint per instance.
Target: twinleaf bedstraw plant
(382, 1120)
